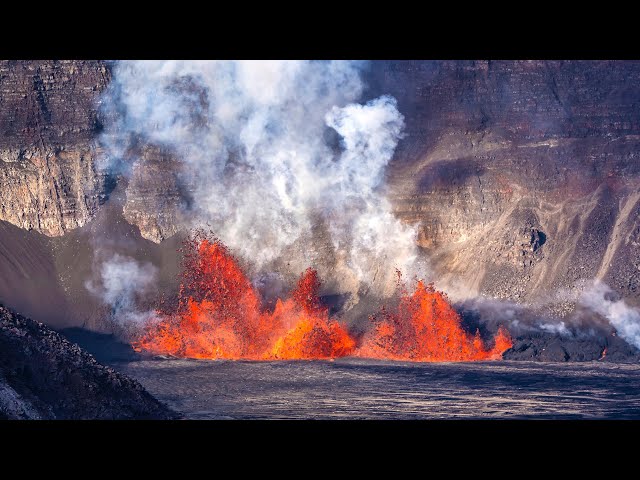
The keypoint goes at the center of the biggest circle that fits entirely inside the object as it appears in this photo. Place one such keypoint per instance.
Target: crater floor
(366, 389)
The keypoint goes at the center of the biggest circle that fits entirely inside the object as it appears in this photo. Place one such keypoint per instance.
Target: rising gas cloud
(121, 280)
(271, 150)
(625, 319)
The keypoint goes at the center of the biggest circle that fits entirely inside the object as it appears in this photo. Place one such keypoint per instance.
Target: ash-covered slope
(44, 376)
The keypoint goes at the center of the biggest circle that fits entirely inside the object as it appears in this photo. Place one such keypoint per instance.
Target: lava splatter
(219, 315)
(426, 328)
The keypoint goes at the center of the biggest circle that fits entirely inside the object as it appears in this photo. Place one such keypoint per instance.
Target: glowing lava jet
(220, 316)
(426, 328)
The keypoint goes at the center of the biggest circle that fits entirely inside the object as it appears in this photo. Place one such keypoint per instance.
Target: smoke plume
(559, 328)
(122, 281)
(271, 150)
(625, 319)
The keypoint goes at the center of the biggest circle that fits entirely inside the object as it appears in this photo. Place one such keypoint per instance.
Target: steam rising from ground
(626, 320)
(122, 280)
(262, 161)
(596, 303)
(516, 317)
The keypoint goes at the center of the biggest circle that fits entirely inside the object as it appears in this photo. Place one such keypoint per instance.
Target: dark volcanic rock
(548, 347)
(44, 376)
(49, 102)
(105, 347)
(554, 352)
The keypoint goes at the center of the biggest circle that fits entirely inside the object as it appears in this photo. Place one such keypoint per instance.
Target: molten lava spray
(220, 316)
(426, 328)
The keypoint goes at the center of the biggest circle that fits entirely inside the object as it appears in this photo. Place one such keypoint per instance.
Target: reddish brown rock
(48, 125)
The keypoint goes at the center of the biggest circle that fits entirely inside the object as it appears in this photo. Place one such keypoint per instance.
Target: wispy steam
(122, 280)
(602, 299)
(518, 318)
(559, 328)
(263, 165)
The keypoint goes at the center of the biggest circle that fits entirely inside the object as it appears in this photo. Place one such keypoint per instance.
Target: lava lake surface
(351, 388)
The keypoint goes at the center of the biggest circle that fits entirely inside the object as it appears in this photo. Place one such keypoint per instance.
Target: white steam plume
(559, 328)
(625, 319)
(122, 280)
(255, 137)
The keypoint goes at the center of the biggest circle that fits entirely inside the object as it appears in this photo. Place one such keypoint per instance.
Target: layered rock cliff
(154, 198)
(48, 124)
(522, 176)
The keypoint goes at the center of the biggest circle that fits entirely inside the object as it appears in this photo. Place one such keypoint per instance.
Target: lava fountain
(219, 315)
(426, 328)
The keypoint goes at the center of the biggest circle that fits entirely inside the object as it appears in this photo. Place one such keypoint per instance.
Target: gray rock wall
(522, 176)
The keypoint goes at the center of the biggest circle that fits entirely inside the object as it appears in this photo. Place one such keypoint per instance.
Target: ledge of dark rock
(548, 347)
(44, 376)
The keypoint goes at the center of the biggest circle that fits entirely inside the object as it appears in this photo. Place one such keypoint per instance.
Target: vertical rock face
(154, 197)
(50, 191)
(522, 176)
(48, 123)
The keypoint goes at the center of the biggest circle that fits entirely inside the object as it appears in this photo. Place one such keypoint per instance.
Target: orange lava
(604, 354)
(220, 316)
(426, 328)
